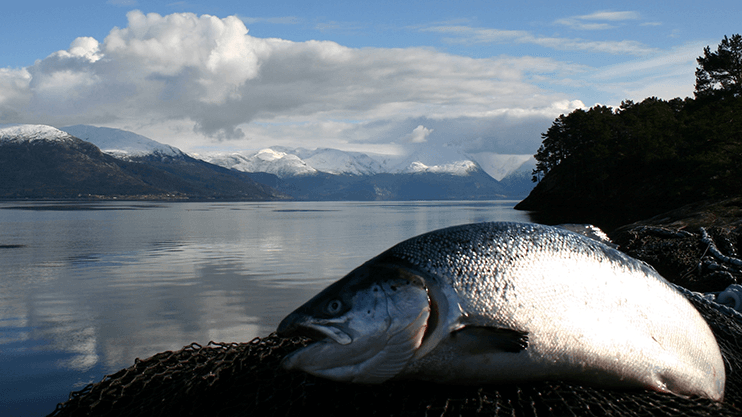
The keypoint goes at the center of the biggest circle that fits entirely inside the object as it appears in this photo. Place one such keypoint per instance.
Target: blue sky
(384, 76)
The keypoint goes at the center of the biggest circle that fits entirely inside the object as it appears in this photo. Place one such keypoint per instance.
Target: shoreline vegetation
(610, 167)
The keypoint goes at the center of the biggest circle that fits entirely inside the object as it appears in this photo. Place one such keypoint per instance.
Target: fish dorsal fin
(588, 230)
(480, 339)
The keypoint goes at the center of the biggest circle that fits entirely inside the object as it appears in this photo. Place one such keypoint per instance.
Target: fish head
(365, 327)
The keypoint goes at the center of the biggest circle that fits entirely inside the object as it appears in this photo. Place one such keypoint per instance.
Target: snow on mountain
(19, 133)
(524, 170)
(451, 161)
(337, 162)
(281, 161)
(459, 168)
(498, 166)
(121, 143)
(268, 160)
(286, 162)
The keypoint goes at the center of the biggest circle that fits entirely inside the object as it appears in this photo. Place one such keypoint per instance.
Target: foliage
(720, 72)
(634, 133)
(651, 156)
(701, 135)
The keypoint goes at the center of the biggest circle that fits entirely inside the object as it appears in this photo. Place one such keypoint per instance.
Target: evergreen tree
(719, 73)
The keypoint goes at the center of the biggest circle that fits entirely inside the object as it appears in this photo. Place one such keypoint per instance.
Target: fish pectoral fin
(479, 339)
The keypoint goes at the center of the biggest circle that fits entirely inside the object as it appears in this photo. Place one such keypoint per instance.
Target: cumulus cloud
(182, 77)
(214, 55)
(13, 93)
(419, 134)
(209, 73)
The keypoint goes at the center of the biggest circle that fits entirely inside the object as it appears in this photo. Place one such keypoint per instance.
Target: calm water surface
(87, 288)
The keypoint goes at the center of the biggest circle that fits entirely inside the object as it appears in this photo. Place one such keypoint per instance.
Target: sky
(385, 77)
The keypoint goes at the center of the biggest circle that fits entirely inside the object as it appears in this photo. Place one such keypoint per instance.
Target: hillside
(42, 162)
(38, 161)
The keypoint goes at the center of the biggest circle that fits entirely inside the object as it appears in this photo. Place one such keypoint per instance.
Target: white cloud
(216, 55)
(418, 135)
(13, 93)
(666, 75)
(472, 35)
(182, 79)
(610, 16)
(84, 47)
(597, 20)
(210, 73)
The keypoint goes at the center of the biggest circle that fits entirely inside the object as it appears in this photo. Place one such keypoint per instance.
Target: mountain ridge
(284, 161)
(282, 172)
(327, 172)
(39, 161)
(121, 143)
(287, 161)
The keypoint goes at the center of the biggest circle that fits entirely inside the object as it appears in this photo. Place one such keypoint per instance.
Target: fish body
(507, 302)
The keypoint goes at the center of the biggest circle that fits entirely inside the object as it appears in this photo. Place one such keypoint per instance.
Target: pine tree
(719, 73)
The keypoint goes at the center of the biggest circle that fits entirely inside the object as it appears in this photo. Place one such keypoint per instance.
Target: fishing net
(240, 379)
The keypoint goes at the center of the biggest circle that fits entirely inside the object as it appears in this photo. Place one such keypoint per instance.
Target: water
(85, 288)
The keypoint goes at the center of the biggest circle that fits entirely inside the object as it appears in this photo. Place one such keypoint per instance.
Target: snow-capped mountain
(304, 174)
(38, 161)
(30, 133)
(331, 174)
(286, 162)
(337, 162)
(500, 166)
(450, 161)
(121, 143)
(280, 164)
(519, 182)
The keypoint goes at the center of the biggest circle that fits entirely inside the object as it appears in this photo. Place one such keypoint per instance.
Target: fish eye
(334, 306)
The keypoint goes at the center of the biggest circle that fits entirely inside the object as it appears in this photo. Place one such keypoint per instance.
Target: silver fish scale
(481, 260)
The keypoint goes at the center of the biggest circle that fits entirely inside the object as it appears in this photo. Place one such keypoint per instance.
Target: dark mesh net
(685, 258)
(245, 378)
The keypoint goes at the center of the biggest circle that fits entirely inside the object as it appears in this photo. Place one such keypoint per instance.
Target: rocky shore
(675, 245)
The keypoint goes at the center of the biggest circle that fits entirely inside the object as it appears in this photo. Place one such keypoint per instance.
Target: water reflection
(86, 288)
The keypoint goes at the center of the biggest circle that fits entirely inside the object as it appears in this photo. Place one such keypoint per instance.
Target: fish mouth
(303, 331)
(321, 337)
(317, 332)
